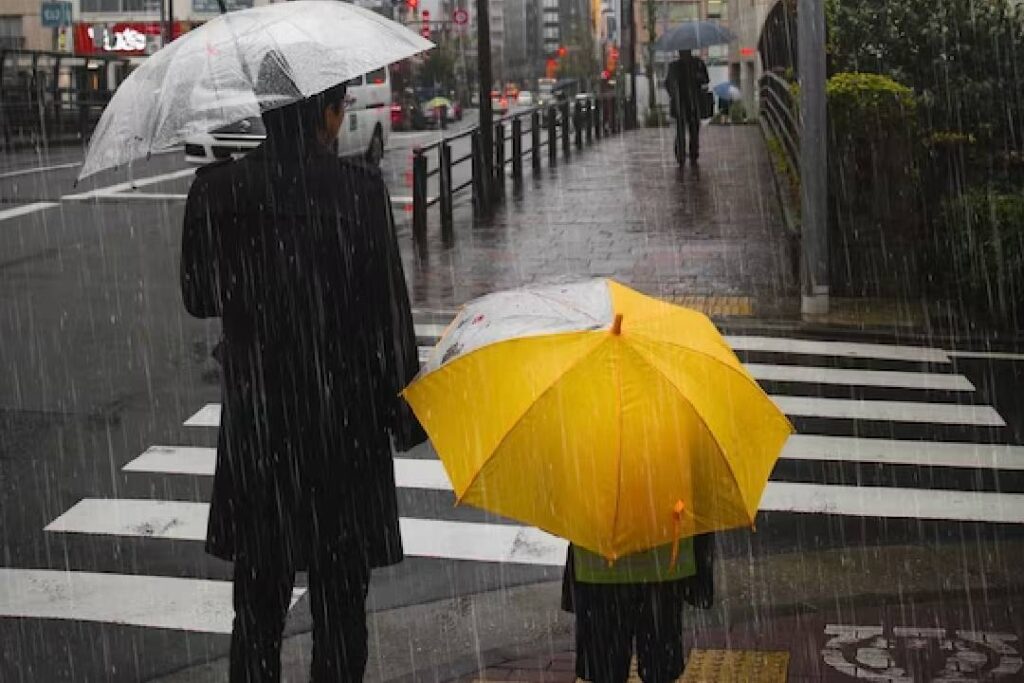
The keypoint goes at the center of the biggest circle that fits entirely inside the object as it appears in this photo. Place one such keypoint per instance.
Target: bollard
(552, 137)
(445, 173)
(419, 196)
(535, 139)
(499, 160)
(481, 192)
(517, 149)
(577, 122)
(565, 129)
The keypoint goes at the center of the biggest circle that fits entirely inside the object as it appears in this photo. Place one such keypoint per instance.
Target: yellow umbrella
(601, 415)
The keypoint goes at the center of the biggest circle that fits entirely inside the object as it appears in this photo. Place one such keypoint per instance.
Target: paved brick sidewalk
(621, 207)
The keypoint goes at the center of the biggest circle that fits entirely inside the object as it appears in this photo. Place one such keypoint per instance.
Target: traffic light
(411, 5)
(425, 29)
(562, 51)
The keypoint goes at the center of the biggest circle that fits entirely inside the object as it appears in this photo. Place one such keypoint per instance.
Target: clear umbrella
(205, 79)
(694, 35)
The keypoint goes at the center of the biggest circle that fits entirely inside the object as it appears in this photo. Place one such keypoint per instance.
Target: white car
(525, 98)
(364, 131)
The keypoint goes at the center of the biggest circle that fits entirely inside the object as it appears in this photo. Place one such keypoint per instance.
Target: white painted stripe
(483, 542)
(920, 354)
(207, 416)
(430, 330)
(429, 474)
(145, 196)
(902, 452)
(885, 502)
(129, 185)
(864, 378)
(992, 355)
(889, 411)
(807, 406)
(39, 169)
(175, 460)
(26, 209)
(198, 605)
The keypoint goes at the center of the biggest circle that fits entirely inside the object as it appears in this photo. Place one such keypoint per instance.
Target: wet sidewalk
(709, 235)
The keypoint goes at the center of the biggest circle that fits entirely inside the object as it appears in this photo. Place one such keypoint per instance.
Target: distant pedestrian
(685, 82)
(637, 599)
(295, 250)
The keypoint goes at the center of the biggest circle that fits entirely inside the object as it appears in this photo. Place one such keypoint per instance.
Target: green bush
(979, 253)
(863, 105)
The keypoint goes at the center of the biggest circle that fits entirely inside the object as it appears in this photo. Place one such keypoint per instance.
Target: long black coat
(296, 252)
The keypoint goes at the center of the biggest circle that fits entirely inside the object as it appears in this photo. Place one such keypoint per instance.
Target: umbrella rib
(704, 422)
(515, 423)
(688, 349)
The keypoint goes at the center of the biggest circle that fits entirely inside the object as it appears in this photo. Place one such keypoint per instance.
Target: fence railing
(781, 117)
(546, 127)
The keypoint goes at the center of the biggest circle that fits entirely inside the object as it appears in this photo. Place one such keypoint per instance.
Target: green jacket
(649, 566)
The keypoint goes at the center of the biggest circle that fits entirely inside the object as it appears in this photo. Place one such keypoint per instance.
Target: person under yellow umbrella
(620, 422)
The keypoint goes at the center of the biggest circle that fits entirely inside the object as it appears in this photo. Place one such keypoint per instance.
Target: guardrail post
(499, 159)
(419, 196)
(577, 122)
(552, 136)
(588, 120)
(535, 139)
(517, 149)
(445, 173)
(481, 189)
(565, 129)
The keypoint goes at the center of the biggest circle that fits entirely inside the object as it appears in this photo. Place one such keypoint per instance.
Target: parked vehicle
(499, 103)
(364, 132)
(525, 98)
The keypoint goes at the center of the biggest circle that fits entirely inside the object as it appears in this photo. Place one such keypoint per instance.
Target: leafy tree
(581, 60)
(438, 68)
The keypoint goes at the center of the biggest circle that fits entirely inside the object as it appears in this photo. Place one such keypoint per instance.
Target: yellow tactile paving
(736, 666)
(712, 305)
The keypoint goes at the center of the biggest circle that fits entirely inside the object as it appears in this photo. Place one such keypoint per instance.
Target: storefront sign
(124, 38)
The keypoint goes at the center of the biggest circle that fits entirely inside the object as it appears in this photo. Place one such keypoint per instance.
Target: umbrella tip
(617, 325)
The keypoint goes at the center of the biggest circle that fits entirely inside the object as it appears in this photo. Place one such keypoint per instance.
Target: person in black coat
(685, 81)
(295, 250)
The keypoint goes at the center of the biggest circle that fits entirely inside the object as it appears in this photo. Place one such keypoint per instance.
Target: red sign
(747, 51)
(126, 39)
(460, 16)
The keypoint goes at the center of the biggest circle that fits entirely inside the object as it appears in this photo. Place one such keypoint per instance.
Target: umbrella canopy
(439, 102)
(727, 91)
(206, 78)
(694, 35)
(601, 415)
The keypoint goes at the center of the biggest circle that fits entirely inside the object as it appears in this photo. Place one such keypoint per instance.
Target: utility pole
(629, 41)
(483, 41)
(169, 30)
(814, 271)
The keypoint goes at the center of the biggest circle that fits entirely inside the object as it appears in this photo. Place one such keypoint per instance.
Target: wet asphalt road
(100, 364)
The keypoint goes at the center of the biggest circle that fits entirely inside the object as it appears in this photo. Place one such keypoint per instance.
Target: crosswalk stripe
(840, 376)
(919, 354)
(889, 411)
(199, 605)
(863, 378)
(424, 473)
(806, 406)
(886, 502)
(434, 538)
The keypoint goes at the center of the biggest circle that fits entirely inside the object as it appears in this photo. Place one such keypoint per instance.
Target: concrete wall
(747, 19)
(36, 37)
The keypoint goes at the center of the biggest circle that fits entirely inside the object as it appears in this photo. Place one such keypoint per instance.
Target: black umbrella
(694, 35)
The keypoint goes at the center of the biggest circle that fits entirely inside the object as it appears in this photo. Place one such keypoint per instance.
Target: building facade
(21, 27)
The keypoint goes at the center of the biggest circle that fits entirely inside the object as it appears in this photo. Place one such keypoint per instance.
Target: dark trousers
(687, 125)
(610, 617)
(338, 581)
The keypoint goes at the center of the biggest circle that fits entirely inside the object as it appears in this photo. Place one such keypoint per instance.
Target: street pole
(170, 22)
(483, 41)
(629, 26)
(814, 269)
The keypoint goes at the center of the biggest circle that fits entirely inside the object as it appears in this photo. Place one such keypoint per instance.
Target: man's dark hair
(298, 121)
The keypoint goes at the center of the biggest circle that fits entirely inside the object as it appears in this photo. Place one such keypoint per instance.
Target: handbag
(707, 104)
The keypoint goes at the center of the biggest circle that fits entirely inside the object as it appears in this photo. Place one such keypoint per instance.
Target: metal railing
(547, 128)
(780, 117)
(49, 97)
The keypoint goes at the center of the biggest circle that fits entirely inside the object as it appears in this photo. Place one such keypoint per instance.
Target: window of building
(717, 9)
(551, 33)
(10, 33)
